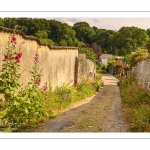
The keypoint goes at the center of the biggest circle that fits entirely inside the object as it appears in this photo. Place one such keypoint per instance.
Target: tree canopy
(121, 42)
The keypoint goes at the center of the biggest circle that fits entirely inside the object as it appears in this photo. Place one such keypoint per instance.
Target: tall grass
(67, 95)
(137, 99)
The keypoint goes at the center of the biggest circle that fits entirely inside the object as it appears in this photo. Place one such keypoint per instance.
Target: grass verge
(137, 101)
(54, 102)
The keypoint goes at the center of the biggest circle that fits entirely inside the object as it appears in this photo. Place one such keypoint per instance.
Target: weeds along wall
(142, 72)
(58, 63)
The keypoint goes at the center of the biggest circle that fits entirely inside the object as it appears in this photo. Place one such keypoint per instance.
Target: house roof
(118, 63)
(106, 56)
(125, 66)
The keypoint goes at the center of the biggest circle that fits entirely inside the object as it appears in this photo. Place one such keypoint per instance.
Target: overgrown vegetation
(69, 95)
(111, 61)
(21, 104)
(89, 54)
(137, 98)
(52, 102)
(138, 55)
(23, 107)
(101, 68)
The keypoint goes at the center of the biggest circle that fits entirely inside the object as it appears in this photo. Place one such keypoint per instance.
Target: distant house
(105, 57)
(119, 57)
(120, 68)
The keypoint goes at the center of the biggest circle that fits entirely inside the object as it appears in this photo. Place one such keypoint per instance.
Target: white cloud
(109, 23)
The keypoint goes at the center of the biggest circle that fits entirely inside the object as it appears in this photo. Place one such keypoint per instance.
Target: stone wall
(86, 69)
(58, 62)
(142, 72)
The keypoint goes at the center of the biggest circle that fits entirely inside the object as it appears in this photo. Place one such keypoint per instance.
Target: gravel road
(102, 112)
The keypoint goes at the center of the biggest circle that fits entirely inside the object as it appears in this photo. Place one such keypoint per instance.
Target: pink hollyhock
(45, 88)
(13, 39)
(17, 58)
(19, 55)
(36, 55)
(10, 57)
(36, 58)
(6, 56)
(38, 81)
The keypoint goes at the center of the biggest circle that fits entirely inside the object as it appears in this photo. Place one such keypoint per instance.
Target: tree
(1, 22)
(10, 22)
(102, 38)
(67, 36)
(95, 28)
(84, 32)
(89, 54)
(96, 49)
(127, 39)
(41, 34)
(148, 45)
(55, 31)
(148, 32)
(48, 41)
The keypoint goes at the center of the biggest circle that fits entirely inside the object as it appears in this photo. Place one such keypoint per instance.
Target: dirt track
(99, 113)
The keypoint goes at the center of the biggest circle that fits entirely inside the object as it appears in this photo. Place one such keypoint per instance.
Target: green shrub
(138, 99)
(139, 55)
(90, 54)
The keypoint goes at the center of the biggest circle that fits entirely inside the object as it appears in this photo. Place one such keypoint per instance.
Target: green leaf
(3, 76)
(1, 90)
(26, 110)
(10, 81)
(16, 103)
(7, 91)
(1, 83)
(31, 95)
(28, 101)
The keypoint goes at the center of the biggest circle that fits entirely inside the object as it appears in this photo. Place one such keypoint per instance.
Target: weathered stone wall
(86, 69)
(61, 65)
(58, 63)
(142, 72)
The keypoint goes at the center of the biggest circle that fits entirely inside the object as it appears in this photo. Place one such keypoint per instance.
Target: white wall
(105, 62)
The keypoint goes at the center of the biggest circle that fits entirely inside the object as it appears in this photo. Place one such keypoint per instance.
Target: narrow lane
(99, 113)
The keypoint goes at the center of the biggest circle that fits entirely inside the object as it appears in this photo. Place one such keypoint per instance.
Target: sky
(110, 23)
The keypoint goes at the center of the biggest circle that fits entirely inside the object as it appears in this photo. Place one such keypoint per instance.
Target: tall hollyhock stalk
(23, 105)
(36, 73)
(9, 76)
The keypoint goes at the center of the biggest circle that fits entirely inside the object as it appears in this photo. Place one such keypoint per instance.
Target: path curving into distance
(99, 113)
